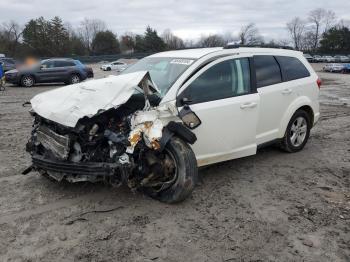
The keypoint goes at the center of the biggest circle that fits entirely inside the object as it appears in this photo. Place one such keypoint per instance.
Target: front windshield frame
(141, 65)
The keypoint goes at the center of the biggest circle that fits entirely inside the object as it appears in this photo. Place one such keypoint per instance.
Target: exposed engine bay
(123, 145)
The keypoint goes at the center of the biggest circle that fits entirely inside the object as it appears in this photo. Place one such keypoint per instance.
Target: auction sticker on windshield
(182, 61)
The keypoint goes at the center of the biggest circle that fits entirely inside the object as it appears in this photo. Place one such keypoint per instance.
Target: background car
(341, 59)
(116, 65)
(318, 59)
(333, 68)
(328, 59)
(64, 70)
(309, 58)
(8, 63)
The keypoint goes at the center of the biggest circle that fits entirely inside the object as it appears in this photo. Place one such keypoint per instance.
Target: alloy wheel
(298, 131)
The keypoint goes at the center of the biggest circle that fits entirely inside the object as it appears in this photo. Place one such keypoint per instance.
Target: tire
(74, 79)
(27, 81)
(297, 133)
(187, 174)
(109, 69)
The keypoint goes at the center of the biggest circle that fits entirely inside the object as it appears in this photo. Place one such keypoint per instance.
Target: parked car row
(337, 68)
(327, 58)
(68, 71)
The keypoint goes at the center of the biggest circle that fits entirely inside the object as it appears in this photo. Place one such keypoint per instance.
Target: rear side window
(226, 79)
(292, 68)
(267, 71)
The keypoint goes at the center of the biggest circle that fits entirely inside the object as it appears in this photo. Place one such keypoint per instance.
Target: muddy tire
(297, 133)
(187, 173)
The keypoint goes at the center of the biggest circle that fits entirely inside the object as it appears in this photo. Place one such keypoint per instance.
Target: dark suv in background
(64, 70)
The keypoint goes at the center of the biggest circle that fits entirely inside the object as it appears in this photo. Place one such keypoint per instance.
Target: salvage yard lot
(269, 207)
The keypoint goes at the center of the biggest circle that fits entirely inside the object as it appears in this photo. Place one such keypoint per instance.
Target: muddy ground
(270, 207)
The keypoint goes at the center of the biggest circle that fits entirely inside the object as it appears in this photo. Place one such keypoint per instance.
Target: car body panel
(68, 104)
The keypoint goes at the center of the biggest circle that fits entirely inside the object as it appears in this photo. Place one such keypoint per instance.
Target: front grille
(55, 143)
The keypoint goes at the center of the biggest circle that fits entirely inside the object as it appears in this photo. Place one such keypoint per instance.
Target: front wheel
(297, 133)
(181, 163)
(27, 81)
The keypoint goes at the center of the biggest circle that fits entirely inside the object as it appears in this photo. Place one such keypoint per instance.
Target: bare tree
(296, 28)
(321, 21)
(88, 30)
(249, 35)
(330, 20)
(172, 41)
(11, 33)
(211, 41)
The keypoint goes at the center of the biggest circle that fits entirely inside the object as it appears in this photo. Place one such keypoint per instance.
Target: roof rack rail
(233, 46)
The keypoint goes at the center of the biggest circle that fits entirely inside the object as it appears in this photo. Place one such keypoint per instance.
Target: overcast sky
(187, 19)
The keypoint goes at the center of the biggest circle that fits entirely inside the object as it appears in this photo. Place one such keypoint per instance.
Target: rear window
(267, 71)
(292, 68)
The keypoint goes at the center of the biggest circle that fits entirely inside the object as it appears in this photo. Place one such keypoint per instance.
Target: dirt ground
(272, 206)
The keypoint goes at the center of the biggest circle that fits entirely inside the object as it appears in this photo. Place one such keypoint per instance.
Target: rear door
(223, 96)
(279, 84)
(63, 68)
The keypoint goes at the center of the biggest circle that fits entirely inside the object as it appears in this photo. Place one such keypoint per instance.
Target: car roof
(200, 52)
(59, 59)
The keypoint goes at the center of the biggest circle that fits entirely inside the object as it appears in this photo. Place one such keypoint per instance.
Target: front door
(225, 99)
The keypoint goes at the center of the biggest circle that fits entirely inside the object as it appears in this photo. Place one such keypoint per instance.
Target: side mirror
(189, 118)
(185, 101)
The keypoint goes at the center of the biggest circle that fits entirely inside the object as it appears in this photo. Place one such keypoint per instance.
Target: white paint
(68, 104)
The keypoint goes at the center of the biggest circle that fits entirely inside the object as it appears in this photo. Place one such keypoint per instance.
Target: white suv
(153, 125)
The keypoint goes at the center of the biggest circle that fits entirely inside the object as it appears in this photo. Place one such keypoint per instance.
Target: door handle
(287, 91)
(249, 105)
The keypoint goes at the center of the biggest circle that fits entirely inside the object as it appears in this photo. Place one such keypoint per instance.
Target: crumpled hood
(68, 104)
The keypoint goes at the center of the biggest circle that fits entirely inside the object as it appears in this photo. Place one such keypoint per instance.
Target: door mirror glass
(189, 118)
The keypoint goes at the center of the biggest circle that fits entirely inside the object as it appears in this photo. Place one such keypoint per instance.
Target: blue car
(64, 70)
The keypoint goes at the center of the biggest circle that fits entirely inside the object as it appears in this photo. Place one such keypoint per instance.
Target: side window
(63, 63)
(267, 71)
(292, 68)
(223, 80)
(48, 64)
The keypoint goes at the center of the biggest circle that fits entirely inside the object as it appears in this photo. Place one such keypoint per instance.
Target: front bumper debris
(70, 168)
(57, 144)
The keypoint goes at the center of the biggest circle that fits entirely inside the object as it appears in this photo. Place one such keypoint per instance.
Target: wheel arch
(303, 103)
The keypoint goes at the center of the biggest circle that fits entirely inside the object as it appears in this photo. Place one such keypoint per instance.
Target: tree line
(319, 32)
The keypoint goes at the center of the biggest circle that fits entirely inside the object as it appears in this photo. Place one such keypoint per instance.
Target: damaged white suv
(153, 125)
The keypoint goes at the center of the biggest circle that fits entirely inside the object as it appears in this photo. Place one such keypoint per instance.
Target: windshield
(164, 71)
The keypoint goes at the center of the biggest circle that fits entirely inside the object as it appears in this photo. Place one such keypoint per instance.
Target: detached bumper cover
(88, 168)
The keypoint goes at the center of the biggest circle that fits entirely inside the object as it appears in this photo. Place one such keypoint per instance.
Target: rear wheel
(297, 133)
(74, 79)
(27, 81)
(179, 173)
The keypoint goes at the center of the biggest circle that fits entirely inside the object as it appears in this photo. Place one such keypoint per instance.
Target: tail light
(319, 82)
